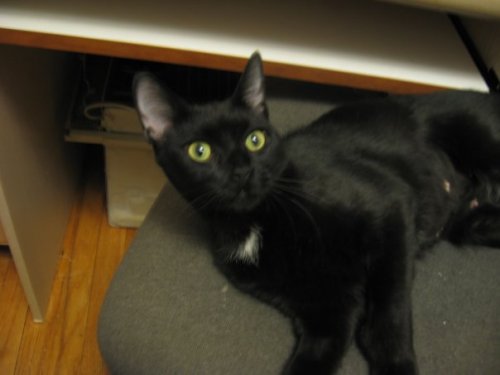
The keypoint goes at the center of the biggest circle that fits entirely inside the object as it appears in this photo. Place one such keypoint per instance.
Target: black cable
(487, 73)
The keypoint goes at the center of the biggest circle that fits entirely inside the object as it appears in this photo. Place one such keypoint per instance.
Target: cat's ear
(158, 107)
(250, 91)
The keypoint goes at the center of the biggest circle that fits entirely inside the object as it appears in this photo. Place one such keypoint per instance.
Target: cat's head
(222, 156)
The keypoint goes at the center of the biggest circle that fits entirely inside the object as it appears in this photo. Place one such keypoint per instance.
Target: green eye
(199, 151)
(255, 141)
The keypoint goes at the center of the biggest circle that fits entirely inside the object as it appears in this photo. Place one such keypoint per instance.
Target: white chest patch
(447, 186)
(248, 250)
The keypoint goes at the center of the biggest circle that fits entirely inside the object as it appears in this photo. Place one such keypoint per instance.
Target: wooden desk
(361, 44)
(3, 237)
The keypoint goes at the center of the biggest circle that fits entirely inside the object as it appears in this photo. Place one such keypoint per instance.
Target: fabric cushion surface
(169, 310)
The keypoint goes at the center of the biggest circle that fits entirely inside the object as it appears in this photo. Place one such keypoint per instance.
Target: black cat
(325, 223)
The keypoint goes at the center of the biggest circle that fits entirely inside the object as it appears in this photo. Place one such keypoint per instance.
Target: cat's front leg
(386, 334)
(322, 340)
(313, 355)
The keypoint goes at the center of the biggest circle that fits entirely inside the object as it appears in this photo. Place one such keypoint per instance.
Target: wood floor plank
(42, 342)
(13, 313)
(131, 232)
(80, 279)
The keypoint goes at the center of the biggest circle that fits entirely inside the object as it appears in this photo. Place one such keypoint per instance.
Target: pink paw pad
(473, 203)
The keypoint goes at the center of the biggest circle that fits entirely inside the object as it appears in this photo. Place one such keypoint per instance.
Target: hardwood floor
(66, 343)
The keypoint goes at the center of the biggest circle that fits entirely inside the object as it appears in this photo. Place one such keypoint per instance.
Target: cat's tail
(479, 226)
(478, 221)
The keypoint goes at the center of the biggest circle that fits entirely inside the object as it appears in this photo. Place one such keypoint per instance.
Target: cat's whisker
(277, 200)
(304, 210)
(204, 200)
(297, 191)
(288, 195)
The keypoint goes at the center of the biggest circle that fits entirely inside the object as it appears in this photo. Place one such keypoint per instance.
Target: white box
(133, 179)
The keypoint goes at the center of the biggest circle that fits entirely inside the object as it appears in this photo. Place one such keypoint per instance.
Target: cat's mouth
(244, 200)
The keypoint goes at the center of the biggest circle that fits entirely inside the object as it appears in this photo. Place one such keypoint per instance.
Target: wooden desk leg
(38, 170)
(3, 237)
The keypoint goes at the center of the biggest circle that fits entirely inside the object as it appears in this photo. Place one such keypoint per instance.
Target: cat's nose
(241, 175)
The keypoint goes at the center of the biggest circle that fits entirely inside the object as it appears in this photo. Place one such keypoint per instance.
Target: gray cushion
(169, 311)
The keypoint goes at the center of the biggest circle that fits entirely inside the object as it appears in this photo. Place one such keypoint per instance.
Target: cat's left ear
(250, 91)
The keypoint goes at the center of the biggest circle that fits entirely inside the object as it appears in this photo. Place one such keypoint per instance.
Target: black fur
(339, 210)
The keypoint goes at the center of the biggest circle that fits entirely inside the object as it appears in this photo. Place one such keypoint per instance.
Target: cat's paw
(400, 368)
(301, 365)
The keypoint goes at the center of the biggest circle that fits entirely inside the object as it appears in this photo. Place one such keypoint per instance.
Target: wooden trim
(358, 81)
(206, 60)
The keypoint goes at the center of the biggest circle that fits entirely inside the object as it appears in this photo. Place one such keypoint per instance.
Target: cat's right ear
(158, 108)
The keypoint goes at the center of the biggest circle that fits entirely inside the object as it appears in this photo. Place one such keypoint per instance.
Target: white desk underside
(353, 36)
